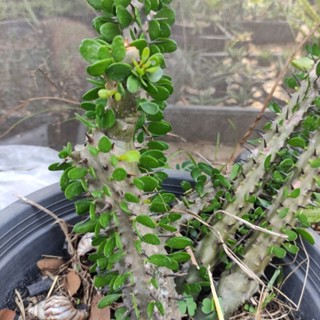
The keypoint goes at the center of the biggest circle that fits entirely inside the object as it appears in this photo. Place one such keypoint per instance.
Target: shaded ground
(200, 151)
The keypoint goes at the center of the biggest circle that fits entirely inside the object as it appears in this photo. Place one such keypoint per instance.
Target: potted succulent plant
(157, 256)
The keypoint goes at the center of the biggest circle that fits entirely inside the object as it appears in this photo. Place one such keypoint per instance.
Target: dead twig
(25, 103)
(52, 286)
(19, 303)
(215, 295)
(253, 226)
(61, 222)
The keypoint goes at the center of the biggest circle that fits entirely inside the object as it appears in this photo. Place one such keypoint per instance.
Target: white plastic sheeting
(24, 169)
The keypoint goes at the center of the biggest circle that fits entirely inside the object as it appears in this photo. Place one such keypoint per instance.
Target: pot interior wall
(26, 233)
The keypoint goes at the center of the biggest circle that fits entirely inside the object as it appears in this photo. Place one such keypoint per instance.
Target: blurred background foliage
(230, 52)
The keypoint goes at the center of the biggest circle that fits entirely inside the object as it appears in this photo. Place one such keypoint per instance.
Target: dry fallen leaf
(50, 264)
(6, 314)
(95, 312)
(72, 282)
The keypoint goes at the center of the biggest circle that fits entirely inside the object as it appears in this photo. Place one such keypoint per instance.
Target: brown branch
(270, 95)
(24, 103)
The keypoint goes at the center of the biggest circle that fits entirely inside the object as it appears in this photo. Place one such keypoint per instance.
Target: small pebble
(39, 287)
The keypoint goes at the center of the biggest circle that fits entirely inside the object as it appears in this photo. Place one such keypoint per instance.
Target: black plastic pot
(26, 233)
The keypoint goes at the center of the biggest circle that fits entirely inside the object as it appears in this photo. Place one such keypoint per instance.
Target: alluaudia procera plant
(144, 237)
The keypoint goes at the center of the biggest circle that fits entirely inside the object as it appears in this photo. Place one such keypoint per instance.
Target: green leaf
(165, 198)
(108, 300)
(119, 174)
(96, 4)
(286, 164)
(278, 252)
(93, 150)
(57, 166)
(303, 63)
(73, 190)
(165, 30)
(297, 142)
(148, 162)
(118, 71)
(160, 260)
(315, 163)
(107, 5)
(114, 160)
(138, 183)
(167, 227)
(160, 307)
(140, 44)
(104, 145)
(149, 183)
(154, 29)
(84, 226)
(291, 248)
(77, 173)
(313, 215)
(124, 16)
(172, 217)
(66, 151)
(138, 17)
(99, 67)
(180, 257)
(109, 246)
(116, 257)
(166, 45)
(178, 242)
(207, 306)
(154, 5)
(166, 15)
(154, 74)
(82, 206)
(305, 235)
(110, 30)
(84, 121)
(295, 193)
(91, 94)
(235, 170)
(120, 281)
(145, 55)
(315, 50)
(130, 197)
(104, 219)
(150, 108)
(102, 281)
(146, 221)
(158, 145)
(123, 3)
(130, 156)
(283, 212)
(274, 107)
(151, 238)
(157, 59)
(182, 306)
(291, 83)
(277, 176)
(93, 51)
(133, 84)
(118, 48)
(150, 309)
(159, 127)
(303, 219)
(108, 120)
(159, 93)
(292, 236)
(318, 69)
(267, 162)
(191, 306)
